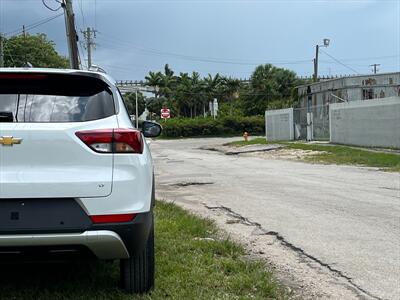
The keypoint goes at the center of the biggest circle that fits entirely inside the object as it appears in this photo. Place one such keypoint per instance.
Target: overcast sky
(229, 37)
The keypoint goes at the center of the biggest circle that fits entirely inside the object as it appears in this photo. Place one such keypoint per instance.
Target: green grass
(256, 141)
(335, 154)
(187, 267)
(350, 156)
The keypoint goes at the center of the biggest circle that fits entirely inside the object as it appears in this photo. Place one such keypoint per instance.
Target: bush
(185, 127)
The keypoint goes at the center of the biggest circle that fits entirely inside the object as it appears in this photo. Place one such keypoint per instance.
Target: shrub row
(185, 127)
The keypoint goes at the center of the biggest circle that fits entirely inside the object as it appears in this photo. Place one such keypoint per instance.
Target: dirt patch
(285, 153)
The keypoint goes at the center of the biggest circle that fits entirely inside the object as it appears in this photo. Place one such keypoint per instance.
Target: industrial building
(315, 98)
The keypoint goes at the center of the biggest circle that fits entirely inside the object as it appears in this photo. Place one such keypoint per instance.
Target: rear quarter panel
(132, 178)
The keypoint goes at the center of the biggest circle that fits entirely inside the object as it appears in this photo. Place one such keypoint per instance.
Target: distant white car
(76, 177)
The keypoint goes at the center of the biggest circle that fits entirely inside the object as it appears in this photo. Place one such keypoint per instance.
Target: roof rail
(96, 68)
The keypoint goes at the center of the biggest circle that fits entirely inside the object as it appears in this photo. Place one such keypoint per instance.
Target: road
(341, 222)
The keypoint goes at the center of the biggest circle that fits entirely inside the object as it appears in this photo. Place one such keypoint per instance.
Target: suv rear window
(53, 98)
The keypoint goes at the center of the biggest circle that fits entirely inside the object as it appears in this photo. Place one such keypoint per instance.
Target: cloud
(133, 33)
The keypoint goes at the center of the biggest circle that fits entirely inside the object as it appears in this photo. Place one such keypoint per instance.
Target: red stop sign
(165, 113)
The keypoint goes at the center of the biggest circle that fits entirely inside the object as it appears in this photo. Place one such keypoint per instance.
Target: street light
(326, 44)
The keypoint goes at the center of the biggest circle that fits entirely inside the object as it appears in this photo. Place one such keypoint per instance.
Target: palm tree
(154, 79)
(211, 86)
(270, 83)
(197, 91)
(231, 87)
(168, 71)
(168, 82)
(183, 93)
(189, 93)
(263, 79)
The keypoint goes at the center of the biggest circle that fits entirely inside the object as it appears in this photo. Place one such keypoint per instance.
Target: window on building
(368, 94)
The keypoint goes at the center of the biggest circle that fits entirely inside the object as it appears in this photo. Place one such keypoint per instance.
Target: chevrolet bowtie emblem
(9, 140)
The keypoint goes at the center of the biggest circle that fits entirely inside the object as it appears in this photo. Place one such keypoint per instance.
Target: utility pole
(71, 34)
(24, 35)
(1, 51)
(89, 35)
(136, 109)
(316, 63)
(375, 67)
(326, 44)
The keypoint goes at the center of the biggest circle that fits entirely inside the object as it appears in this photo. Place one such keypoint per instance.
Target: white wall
(366, 122)
(279, 124)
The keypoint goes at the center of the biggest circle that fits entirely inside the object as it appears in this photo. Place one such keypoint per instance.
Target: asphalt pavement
(345, 219)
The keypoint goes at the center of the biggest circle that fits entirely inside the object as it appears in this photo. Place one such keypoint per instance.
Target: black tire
(137, 272)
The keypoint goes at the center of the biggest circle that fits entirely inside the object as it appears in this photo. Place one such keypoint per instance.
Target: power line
(95, 14)
(372, 57)
(339, 62)
(82, 14)
(33, 25)
(52, 9)
(351, 64)
(124, 43)
(153, 51)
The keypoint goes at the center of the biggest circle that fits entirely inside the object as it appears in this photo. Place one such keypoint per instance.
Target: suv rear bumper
(104, 244)
(105, 241)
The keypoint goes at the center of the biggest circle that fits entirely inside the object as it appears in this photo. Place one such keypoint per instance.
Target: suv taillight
(112, 140)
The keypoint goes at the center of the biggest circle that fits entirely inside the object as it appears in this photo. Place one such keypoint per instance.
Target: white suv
(76, 177)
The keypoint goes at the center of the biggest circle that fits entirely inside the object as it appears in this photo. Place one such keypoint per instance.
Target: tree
(197, 93)
(183, 95)
(188, 95)
(230, 90)
(167, 82)
(35, 49)
(211, 88)
(154, 105)
(130, 102)
(154, 79)
(269, 87)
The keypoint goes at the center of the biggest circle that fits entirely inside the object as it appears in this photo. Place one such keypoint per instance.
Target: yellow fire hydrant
(245, 136)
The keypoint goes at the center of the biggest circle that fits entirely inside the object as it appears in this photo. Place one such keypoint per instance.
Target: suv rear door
(40, 155)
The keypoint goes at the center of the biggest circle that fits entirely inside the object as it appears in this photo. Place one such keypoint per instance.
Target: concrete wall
(279, 125)
(366, 122)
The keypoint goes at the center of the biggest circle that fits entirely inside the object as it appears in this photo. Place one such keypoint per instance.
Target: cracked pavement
(329, 232)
